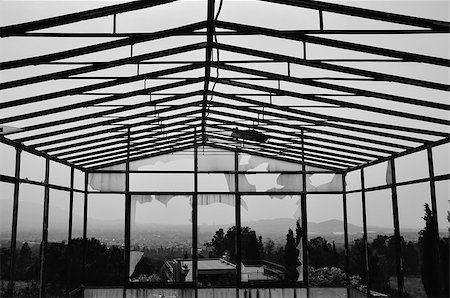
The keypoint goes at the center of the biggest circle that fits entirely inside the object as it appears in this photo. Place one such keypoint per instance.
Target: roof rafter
(78, 16)
(327, 119)
(368, 13)
(337, 44)
(101, 65)
(333, 67)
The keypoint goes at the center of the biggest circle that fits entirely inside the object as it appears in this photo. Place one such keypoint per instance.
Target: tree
(291, 257)
(260, 247)
(218, 243)
(410, 259)
(298, 233)
(427, 237)
(252, 251)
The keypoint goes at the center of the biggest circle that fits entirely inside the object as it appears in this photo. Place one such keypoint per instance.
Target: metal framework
(324, 120)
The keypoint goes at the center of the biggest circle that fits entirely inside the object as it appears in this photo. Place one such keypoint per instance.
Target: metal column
(195, 222)
(126, 270)
(14, 222)
(346, 252)
(435, 217)
(398, 249)
(69, 232)
(365, 242)
(238, 223)
(44, 230)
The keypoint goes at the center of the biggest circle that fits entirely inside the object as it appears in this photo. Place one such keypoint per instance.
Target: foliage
(291, 257)
(326, 276)
(427, 240)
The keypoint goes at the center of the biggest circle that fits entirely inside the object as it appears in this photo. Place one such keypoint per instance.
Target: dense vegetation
(105, 265)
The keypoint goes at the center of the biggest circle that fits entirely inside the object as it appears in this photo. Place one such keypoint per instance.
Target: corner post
(10, 291)
(346, 252)
(43, 250)
(398, 248)
(127, 218)
(365, 241)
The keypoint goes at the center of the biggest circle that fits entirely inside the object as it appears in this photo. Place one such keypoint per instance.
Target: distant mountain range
(30, 219)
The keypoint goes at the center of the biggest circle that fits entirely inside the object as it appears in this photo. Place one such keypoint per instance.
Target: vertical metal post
(435, 217)
(304, 220)
(114, 23)
(85, 215)
(12, 263)
(43, 251)
(365, 241)
(398, 249)
(69, 233)
(304, 50)
(346, 252)
(126, 270)
(321, 19)
(238, 223)
(195, 221)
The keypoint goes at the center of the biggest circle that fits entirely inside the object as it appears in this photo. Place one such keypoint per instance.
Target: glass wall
(357, 260)
(6, 208)
(443, 208)
(7, 160)
(56, 264)
(326, 240)
(411, 208)
(216, 240)
(105, 243)
(29, 236)
(271, 239)
(380, 234)
(161, 239)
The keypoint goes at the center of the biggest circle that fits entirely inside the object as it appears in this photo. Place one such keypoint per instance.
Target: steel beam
(78, 16)
(333, 67)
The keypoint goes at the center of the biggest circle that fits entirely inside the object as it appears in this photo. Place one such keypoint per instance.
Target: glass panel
(182, 161)
(32, 167)
(412, 166)
(7, 160)
(6, 207)
(262, 164)
(357, 269)
(56, 253)
(443, 210)
(58, 216)
(59, 174)
(271, 242)
(77, 215)
(105, 245)
(216, 244)
(441, 159)
(210, 159)
(76, 244)
(380, 232)
(216, 182)
(353, 180)
(443, 207)
(78, 180)
(324, 182)
(411, 201)
(29, 237)
(106, 182)
(326, 240)
(161, 182)
(270, 182)
(376, 175)
(161, 239)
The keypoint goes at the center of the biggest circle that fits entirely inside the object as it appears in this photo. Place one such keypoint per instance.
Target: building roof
(330, 85)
